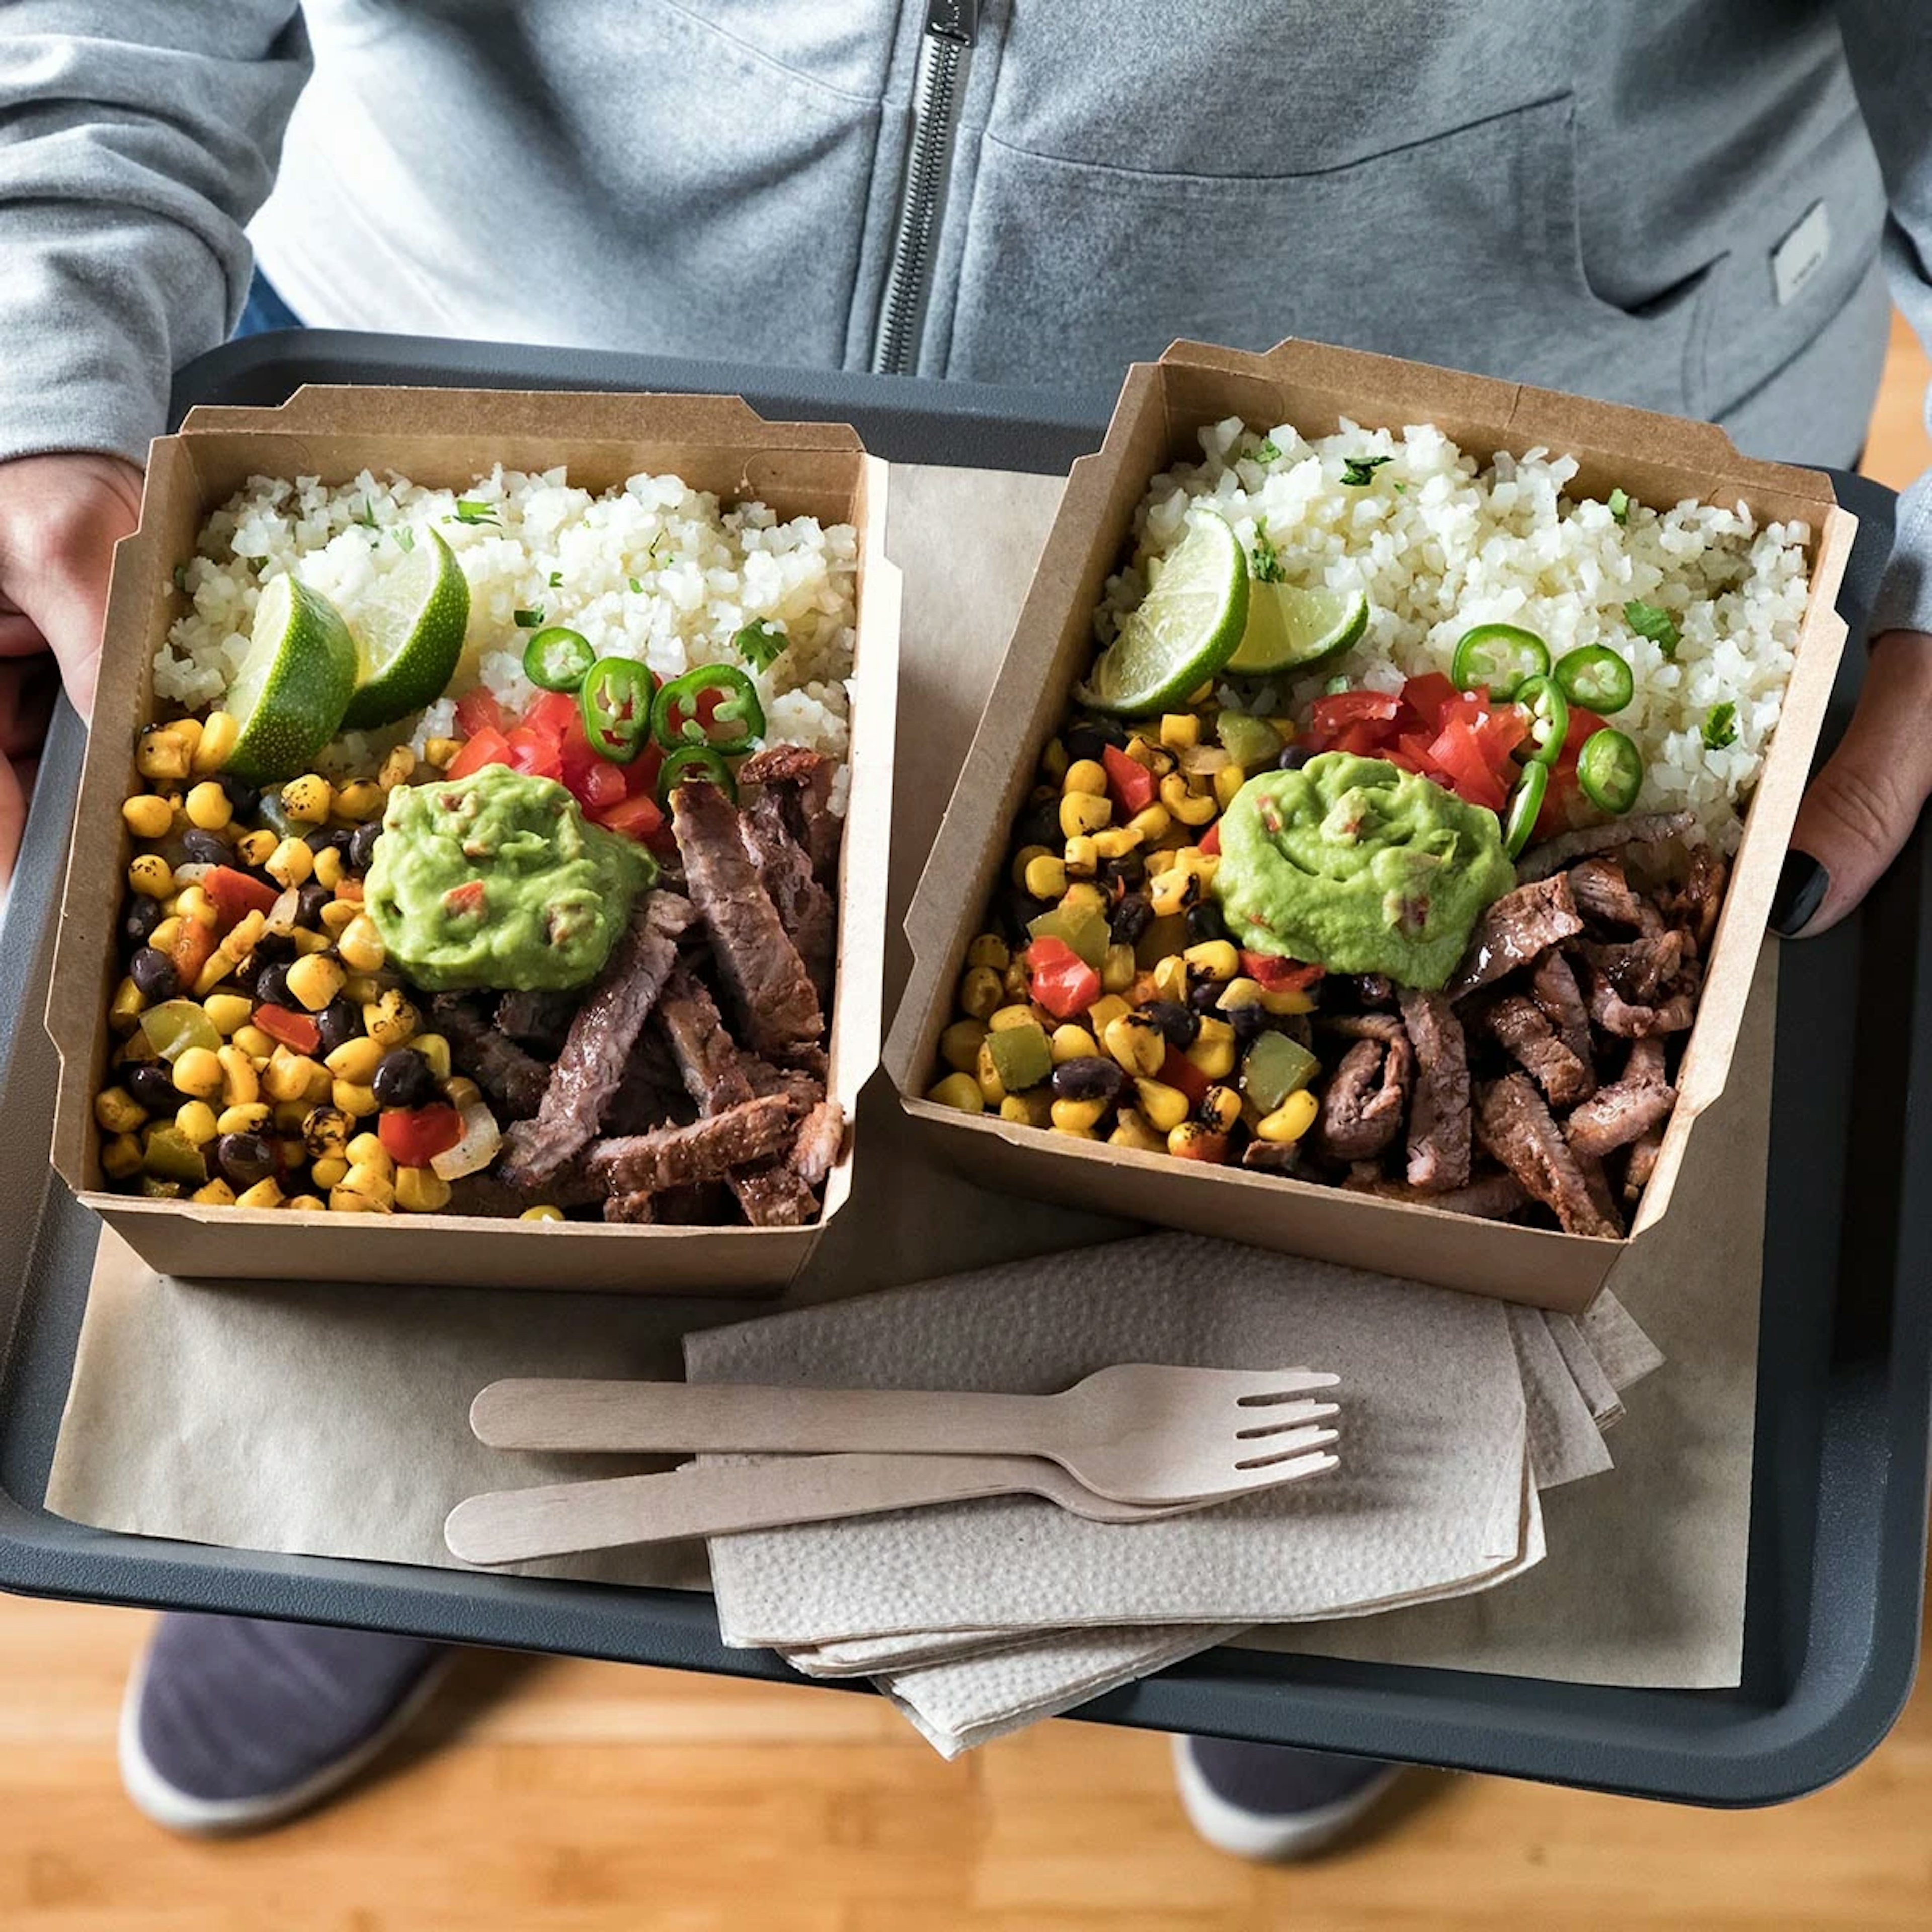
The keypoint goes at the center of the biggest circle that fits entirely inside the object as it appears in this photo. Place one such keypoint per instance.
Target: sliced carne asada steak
(1513, 930)
(1520, 1025)
(1597, 1185)
(1384, 1026)
(1645, 828)
(650, 1095)
(539, 1021)
(1516, 1128)
(1273, 1156)
(1642, 1162)
(802, 1089)
(820, 1140)
(804, 908)
(773, 1196)
(801, 781)
(504, 1071)
(1696, 904)
(675, 1207)
(1617, 1016)
(591, 1066)
(707, 1149)
(1603, 893)
(1496, 1197)
(1366, 1097)
(1629, 1108)
(761, 967)
(1439, 1121)
(1639, 968)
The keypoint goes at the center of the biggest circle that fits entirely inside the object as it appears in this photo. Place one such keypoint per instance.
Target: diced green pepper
(158, 1190)
(168, 1154)
(175, 1025)
(1021, 1055)
(1082, 927)
(1276, 1067)
(1251, 742)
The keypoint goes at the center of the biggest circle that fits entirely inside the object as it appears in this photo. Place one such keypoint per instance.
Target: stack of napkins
(978, 1618)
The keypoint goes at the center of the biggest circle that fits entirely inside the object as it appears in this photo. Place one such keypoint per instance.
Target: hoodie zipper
(950, 27)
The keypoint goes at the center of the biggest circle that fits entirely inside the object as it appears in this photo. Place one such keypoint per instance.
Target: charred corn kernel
(959, 1044)
(389, 1020)
(366, 1150)
(328, 1171)
(121, 1157)
(1228, 781)
(421, 1190)
(355, 1060)
(250, 1119)
(359, 1101)
(1078, 1116)
(228, 1013)
(980, 992)
(543, 1210)
(1086, 777)
(1290, 1119)
(253, 1042)
(264, 1194)
(1136, 1042)
(163, 753)
(1179, 730)
(360, 946)
(959, 1091)
(326, 1132)
(362, 801)
(1221, 1108)
(198, 1074)
(438, 752)
(207, 806)
(217, 1194)
(1116, 842)
(290, 863)
(328, 868)
(364, 989)
(1191, 1141)
(1053, 760)
(1044, 876)
(1214, 1049)
(1082, 858)
(1164, 1106)
(151, 876)
(306, 1203)
(308, 799)
(1154, 822)
(290, 1076)
(116, 1111)
(306, 941)
(258, 847)
(240, 1084)
(1028, 1110)
(1131, 1130)
(219, 731)
(193, 903)
(435, 1049)
(397, 768)
(1213, 959)
(1156, 758)
(1082, 815)
(1018, 1014)
(1025, 857)
(219, 963)
(1182, 804)
(315, 981)
(1116, 969)
(363, 1189)
(125, 1009)
(1170, 978)
(1072, 1042)
(986, 1072)
(195, 1123)
(289, 1114)
(148, 816)
(1174, 889)
(1102, 1014)
(460, 1093)
(337, 917)
(1241, 991)
(989, 949)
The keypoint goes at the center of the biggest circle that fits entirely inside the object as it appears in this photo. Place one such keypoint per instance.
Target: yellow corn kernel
(1053, 760)
(1028, 1110)
(360, 946)
(163, 753)
(1174, 889)
(290, 863)
(359, 1101)
(959, 1044)
(188, 731)
(355, 1060)
(1179, 730)
(292, 1152)
(1025, 857)
(253, 1042)
(207, 806)
(1170, 978)
(1241, 991)
(1192, 1140)
(308, 799)
(986, 1071)
(1221, 1108)
(328, 868)
(1228, 781)
(327, 1172)
(219, 963)
(258, 847)
(241, 1085)
(195, 1122)
(989, 949)
(266, 1193)
(435, 1049)
(363, 1190)
(1136, 1043)
(1083, 897)
(148, 816)
(1014, 984)
(1165, 1107)
(543, 1210)
(219, 732)
(438, 752)
(1280, 999)
(389, 1019)
(1017, 1015)
(1154, 822)
(315, 981)
(362, 989)
(1182, 804)
(460, 1093)
(421, 1190)
(117, 1111)
(362, 801)
(193, 903)
(291, 1076)
(228, 1013)
(249, 1119)
(1072, 1042)
(289, 1114)
(1082, 814)
(366, 1150)
(1160, 860)
(1131, 1130)
(1145, 751)
(1290, 1119)
(1045, 876)
(1082, 858)
(1102, 1014)
(1213, 959)
(217, 1194)
(337, 917)
(1116, 969)
(305, 1204)
(151, 875)
(1116, 842)
(198, 1074)
(120, 1158)
(1214, 1049)
(958, 1090)
(1085, 777)
(325, 1132)
(980, 992)
(1078, 1116)
(397, 768)
(306, 941)
(125, 1009)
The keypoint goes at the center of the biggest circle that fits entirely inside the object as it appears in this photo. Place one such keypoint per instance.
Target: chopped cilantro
(759, 643)
(1720, 728)
(1266, 450)
(1263, 559)
(469, 510)
(1359, 471)
(555, 579)
(637, 588)
(366, 516)
(1647, 620)
(1398, 485)
(180, 576)
(1619, 503)
(528, 620)
(405, 537)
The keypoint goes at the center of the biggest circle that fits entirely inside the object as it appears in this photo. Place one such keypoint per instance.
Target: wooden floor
(586, 1798)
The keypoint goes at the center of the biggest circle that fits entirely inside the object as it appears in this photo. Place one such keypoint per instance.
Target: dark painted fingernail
(1802, 887)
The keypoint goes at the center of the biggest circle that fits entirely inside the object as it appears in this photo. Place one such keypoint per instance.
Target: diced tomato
(555, 713)
(1411, 749)
(1558, 814)
(641, 773)
(635, 817)
(1458, 752)
(1583, 724)
(478, 711)
(193, 947)
(467, 899)
(1277, 974)
(1427, 695)
(1130, 783)
(535, 752)
(1337, 713)
(1365, 740)
(488, 747)
(1060, 980)
(296, 1031)
(1211, 844)
(416, 1135)
(233, 893)
(601, 785)
(1177, 1070)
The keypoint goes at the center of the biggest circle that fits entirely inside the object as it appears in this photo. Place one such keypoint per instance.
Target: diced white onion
(475, 1150)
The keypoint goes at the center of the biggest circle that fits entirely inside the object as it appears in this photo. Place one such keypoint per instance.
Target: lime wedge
(1292, 629)
(1187, 625)
(409, 627)
(294, 684)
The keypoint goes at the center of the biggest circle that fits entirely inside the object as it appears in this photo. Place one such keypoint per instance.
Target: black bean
(1039, 825)
(1247, 1022)
(139, 920)
(1130, 868)
(362, 846)
(403, 1079)
(1204, 923)
(1017, 910)
(339, 1022)
(1204, 998)
(1089, 1078)
(309, 901)
(272, 984)
(1131, 918)
(152, 1084)
(1180, 1026)
(275, 948)
(244, 1158)
(205, 848)
(154, 974)
(1088, 737)
(1293, 757)
(243, 800)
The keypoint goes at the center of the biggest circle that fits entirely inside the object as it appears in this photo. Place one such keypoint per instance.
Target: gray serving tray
(1836, 1558)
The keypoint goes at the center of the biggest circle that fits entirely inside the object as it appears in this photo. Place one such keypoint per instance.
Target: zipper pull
(955, 20)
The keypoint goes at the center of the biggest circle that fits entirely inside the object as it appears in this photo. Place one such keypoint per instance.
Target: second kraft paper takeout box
(1660, 459)
(448, 437)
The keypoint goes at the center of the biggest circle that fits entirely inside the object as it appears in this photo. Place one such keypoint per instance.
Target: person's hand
(1862, 806)
(60, 518)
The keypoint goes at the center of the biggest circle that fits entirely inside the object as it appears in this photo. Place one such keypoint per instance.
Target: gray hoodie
(1692, 204)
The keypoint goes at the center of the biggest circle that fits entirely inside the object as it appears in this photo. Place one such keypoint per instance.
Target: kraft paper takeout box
(450, 437)
(1661, 460)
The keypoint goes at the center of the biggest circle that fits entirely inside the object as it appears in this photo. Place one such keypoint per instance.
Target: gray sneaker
(231, 1725)
(1265, 1802)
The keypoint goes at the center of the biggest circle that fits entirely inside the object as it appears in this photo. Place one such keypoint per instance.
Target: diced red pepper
(416, 1135)
(1060, 980)
(1277, 974)
(1211, 844)
(1177, 1071)
(1130, 783)
(487, 747)
(1458, 752)
(637, 818)
(533, 752)
(296, 1031)
(478, 711)
(193, 947)
(233, 893)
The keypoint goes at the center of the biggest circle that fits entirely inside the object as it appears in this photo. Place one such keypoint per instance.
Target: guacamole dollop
(1357, 865)
(496, 879)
